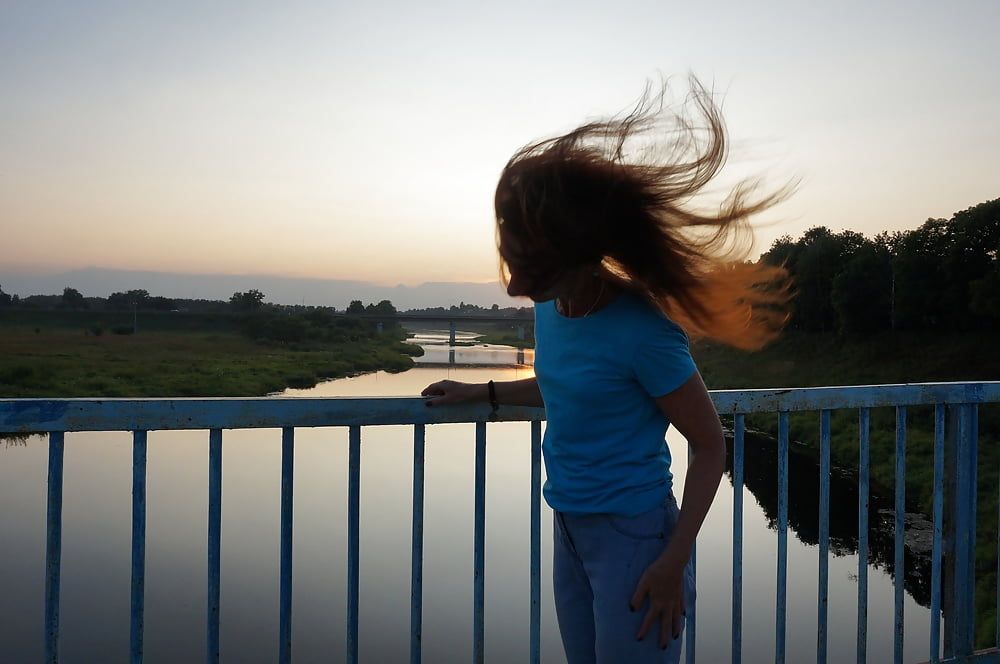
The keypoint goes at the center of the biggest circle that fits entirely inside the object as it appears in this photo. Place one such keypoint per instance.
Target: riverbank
(61, 356)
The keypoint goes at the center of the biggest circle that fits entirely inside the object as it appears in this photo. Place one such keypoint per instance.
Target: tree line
(944, 275)
(249, 301)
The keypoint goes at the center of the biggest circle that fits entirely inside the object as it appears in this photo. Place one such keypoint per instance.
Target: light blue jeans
(597, 564)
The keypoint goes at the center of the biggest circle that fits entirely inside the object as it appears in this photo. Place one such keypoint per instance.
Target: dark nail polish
(631, 609)
(676, 636)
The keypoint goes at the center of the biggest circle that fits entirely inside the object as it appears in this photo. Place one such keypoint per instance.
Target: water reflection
(467, 350)
(761, 479)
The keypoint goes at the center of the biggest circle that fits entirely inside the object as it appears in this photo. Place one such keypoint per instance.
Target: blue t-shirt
(604, 447)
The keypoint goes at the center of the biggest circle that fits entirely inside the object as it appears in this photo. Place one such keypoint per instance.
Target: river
(96, 544)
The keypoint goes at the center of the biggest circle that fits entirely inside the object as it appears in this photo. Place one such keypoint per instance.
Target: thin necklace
(569, 309)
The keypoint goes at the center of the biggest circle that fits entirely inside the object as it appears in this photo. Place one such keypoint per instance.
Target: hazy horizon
(362, 142)
(338, 293)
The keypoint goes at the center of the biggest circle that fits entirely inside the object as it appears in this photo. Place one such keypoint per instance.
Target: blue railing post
(138, 545)
(53, 546)
(691, 620)
(214, 543)
(535, 562)
(285, 562)
(864, 433)
(739, 431)
(899, 572)
(782, 562)
(936, 582)
(353, 539)
(822, 605)
(960, 539)
(479, 548)
(417, 544)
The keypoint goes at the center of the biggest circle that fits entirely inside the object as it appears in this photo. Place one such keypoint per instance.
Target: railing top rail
(44, 415)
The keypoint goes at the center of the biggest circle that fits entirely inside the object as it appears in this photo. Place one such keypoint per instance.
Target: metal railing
(954, 505)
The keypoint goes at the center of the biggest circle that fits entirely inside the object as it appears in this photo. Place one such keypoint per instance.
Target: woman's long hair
(619, 193)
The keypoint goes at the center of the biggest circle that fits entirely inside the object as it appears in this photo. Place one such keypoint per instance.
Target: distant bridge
(522, 323)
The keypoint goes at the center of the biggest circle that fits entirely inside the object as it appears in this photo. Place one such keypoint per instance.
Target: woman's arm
(690, 409)
(522, 392)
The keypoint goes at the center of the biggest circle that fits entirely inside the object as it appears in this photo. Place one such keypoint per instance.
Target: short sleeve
(662, 362)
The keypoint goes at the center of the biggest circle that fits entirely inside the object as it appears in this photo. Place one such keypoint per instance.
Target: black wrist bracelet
(494, 404)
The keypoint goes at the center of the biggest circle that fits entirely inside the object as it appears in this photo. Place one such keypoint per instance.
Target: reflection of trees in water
(760, 472)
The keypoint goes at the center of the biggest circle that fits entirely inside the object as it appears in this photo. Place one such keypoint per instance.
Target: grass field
(58, 354)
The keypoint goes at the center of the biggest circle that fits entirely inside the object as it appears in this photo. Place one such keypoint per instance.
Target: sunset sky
(363, 140)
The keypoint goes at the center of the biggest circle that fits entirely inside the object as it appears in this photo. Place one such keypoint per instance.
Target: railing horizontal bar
(214, 543)
(53, 546)
(45, 415)
(138, 546)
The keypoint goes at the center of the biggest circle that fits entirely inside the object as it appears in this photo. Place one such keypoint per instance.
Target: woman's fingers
(666, 630)
(679, 613)
(651, 615)
(639, 595)
(433, 389)
(446, 391)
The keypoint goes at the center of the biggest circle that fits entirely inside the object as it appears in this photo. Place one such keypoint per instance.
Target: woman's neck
(586, 299)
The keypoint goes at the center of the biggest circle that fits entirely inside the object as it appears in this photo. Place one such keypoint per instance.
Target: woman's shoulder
(640, 308)
(646, 322)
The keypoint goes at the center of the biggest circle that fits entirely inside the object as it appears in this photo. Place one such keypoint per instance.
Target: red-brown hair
(614, 193)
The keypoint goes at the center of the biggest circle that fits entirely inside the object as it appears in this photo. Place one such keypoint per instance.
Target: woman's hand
(452, 391)
(663, 585)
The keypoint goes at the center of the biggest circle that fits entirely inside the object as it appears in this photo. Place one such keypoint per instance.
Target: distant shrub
(275, 328)
(18, 374)
(122, 329)
(412, 350)
(97, 330)
(301, 381)
(334, 370)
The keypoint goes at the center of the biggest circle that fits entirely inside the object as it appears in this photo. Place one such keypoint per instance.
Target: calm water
(96, 547)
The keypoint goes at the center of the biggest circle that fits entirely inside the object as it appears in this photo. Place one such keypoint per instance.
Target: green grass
(67, 362)
(505, 339)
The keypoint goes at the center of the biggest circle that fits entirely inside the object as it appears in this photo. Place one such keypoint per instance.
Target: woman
(597, 228)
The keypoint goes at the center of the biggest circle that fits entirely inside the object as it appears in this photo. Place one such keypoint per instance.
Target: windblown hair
(619, 193)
